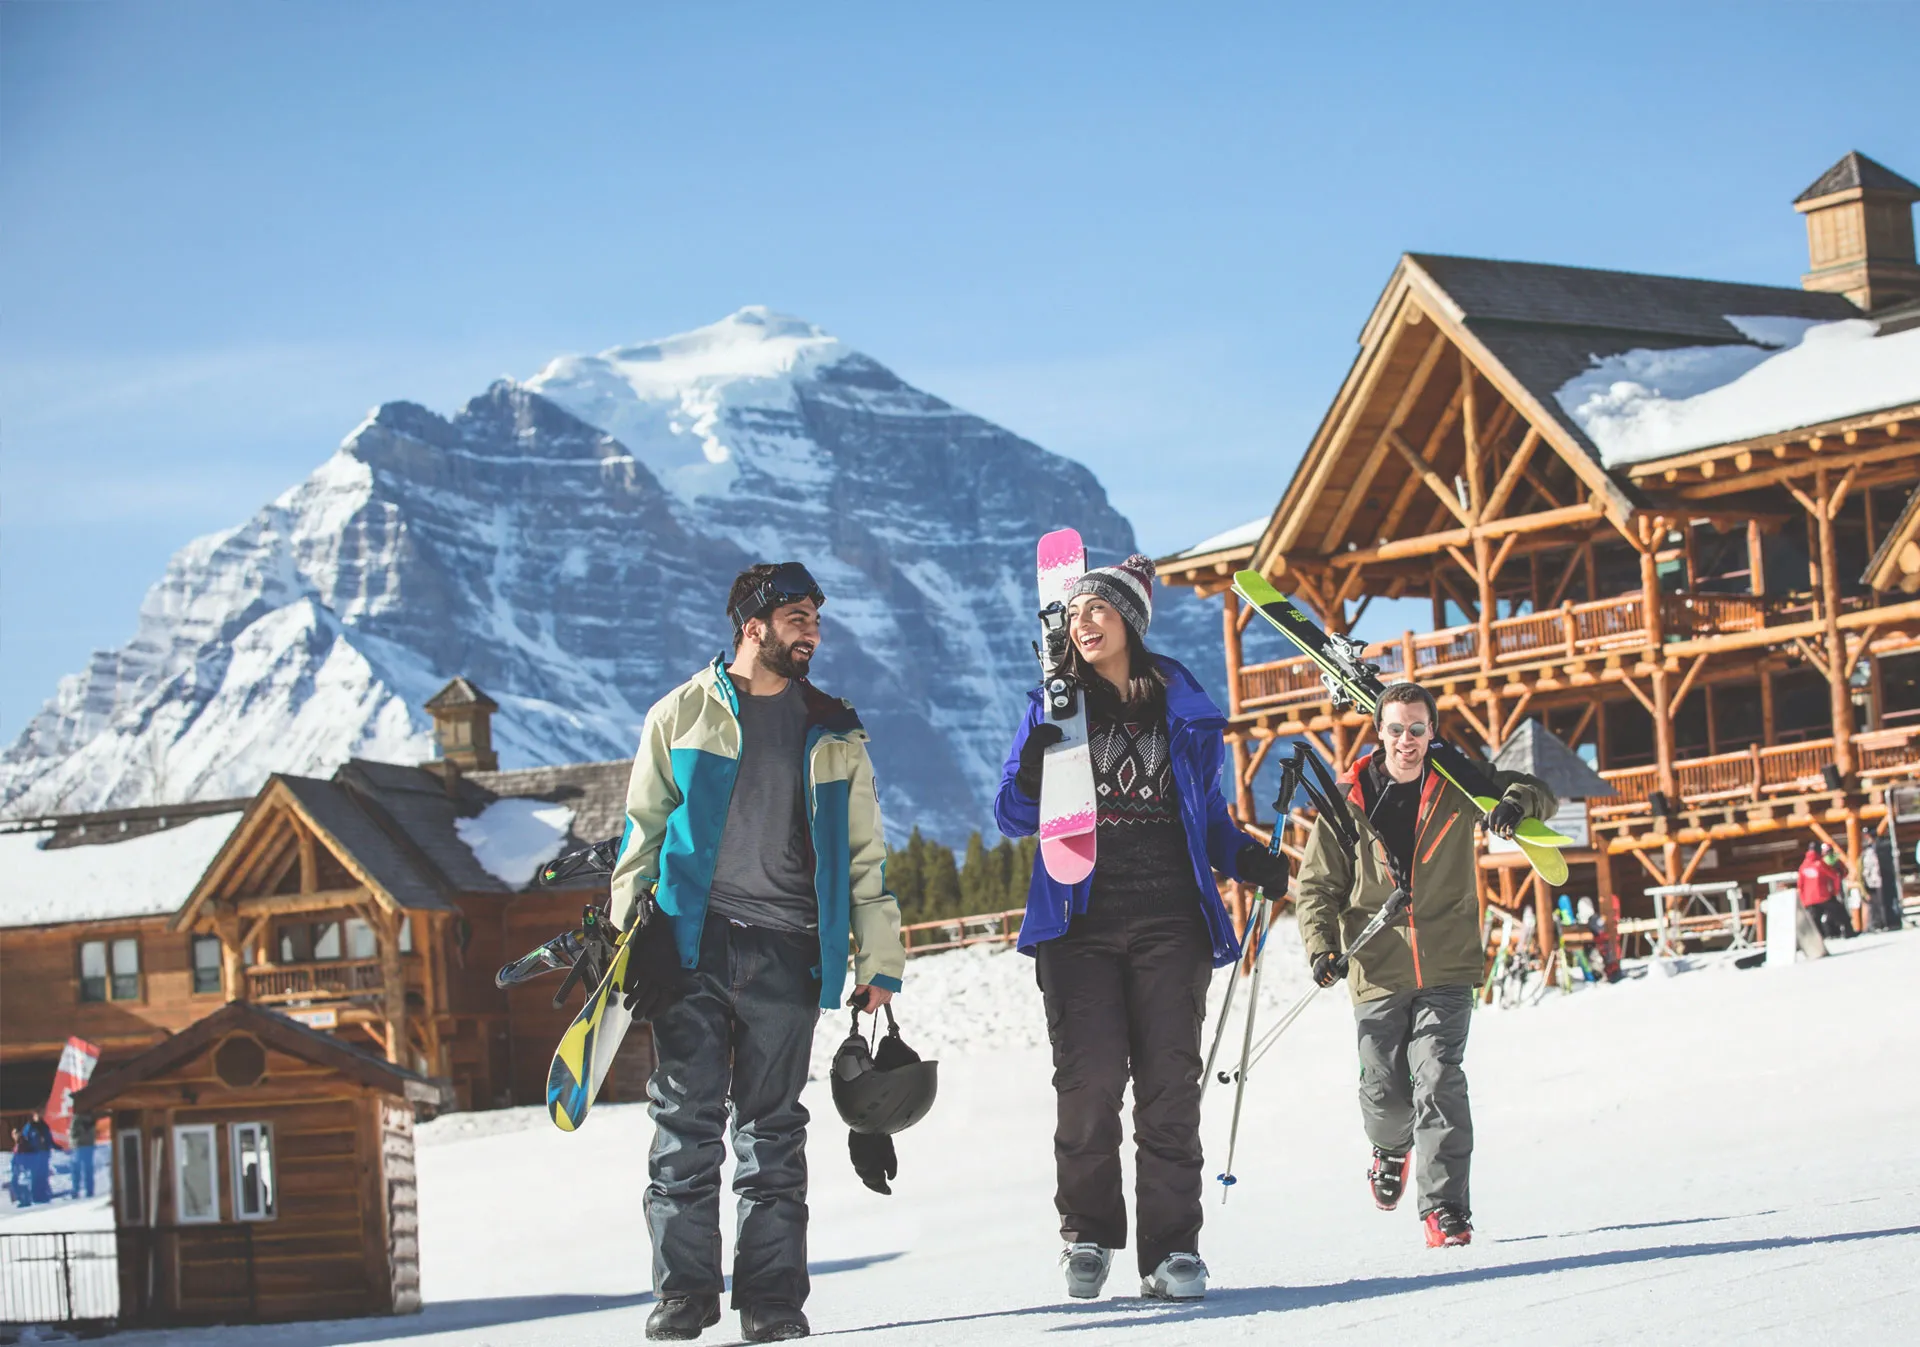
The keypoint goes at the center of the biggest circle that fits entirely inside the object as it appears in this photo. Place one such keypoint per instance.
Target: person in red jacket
(1819, 889)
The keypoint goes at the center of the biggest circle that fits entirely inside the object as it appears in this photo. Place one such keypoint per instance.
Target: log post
(1608, 900)
(233, 972)
(1483, 563)
(1569, 628)
(1230, 626)
(1543, 919)
(393, 981)
(1841, 696)
(1756, 561)
(1766, 707)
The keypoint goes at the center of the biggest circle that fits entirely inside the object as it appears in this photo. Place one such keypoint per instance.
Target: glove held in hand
(1506, 816)
(654, 979)
(1262, 868)
(1328, 969)
(873, 1159)
(1039, 739)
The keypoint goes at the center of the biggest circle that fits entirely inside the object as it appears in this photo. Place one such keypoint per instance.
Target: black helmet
(886, 1091)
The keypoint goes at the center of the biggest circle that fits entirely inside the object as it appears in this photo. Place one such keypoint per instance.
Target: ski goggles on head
(789, 583)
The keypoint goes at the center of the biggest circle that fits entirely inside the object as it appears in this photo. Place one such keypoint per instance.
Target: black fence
(59, 1278)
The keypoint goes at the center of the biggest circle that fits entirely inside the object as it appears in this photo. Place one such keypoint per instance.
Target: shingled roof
(1537, 751)
(1857, 171)
(1546, 324)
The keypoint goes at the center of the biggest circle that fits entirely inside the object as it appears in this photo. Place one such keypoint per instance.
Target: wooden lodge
(358, 904)
(262, 1171)
(1724, 624)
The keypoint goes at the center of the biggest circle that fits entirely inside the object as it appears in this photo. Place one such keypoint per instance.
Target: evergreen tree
(978, 887)
(942, 880)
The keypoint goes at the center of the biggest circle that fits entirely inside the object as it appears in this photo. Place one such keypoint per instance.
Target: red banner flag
(76, 1067)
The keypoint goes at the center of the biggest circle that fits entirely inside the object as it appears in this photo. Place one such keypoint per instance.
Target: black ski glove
(654, 978)
(873, 1159)
(1039, 739)
(1328, 969)
(1506, 816)
(1262, 868)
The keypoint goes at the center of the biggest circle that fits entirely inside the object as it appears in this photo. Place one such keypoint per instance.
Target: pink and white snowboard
(1067, 814)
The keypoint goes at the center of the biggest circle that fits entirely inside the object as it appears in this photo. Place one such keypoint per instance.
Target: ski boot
(1180, 1276)
(1447, 1227)
(772, 1323)
(1086, 1266)
(680, 1318)
(1388, 1178)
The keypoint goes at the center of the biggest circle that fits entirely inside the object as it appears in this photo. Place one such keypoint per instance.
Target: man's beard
(779, 659)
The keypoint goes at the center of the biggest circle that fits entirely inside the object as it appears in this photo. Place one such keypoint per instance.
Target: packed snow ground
(1718, 1156)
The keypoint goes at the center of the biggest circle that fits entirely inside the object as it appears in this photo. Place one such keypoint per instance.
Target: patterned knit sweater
(1142, 866)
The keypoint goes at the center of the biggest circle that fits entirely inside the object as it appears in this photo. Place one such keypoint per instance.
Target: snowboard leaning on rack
(1067, 814)
(1351, 681)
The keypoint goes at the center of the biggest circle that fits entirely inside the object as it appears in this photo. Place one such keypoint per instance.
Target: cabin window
(253, 1176)
(296, 942)
(110, 970)
(406, 935)
(326, 940)
(196, 1177)
(127, 1175)
(361, 943)
(93, 970)
(126, 969)
(206, 964)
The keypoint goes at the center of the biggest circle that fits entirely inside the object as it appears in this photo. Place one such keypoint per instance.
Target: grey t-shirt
(763, 875)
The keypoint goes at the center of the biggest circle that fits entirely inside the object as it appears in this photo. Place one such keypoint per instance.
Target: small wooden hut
(262, 1171)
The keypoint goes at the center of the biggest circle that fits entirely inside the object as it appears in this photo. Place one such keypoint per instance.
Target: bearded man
(752, 816)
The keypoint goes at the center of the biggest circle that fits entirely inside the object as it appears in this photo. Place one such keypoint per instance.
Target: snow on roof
(1646, 404)
(512, 839)
(1240, 536)
(142, 877)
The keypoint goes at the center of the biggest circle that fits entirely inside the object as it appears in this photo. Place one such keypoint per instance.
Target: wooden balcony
(331, 980)
(1571, 632)
(1760, 775)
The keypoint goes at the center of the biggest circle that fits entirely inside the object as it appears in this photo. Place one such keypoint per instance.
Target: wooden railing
(985, 928)
(332, 980)
(1571, 631)
(1755, 773)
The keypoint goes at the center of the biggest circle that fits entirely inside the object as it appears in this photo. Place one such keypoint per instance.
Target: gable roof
(1856, 171)
(1547, 324)
(1896, 563)
(1537, 751)
(275, 1031)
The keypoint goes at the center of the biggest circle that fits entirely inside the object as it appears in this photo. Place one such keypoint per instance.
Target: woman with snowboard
(1125, 956)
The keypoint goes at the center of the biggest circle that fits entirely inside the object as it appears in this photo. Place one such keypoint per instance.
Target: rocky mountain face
(567, 543)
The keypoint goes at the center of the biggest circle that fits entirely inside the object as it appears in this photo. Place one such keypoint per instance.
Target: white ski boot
(1086, 1267)
(1180, 1276)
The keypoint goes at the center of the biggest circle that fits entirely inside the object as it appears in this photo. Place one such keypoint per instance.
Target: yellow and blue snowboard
(1360, 684)
(585, 1054)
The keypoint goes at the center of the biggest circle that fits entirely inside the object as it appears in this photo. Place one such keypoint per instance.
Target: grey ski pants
(1413, 1087)
(742, 1035)
(1126, 996)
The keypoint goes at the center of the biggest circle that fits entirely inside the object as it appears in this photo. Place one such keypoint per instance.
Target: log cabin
(375, 904)
(263, 1171)
(1672, 519)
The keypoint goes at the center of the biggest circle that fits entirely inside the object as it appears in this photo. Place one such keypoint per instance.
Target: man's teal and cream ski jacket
(677, 804)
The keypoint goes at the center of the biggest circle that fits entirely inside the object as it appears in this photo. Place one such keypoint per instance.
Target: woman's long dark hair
(1146, 685)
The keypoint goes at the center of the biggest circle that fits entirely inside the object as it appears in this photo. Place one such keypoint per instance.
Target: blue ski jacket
(1194, 724)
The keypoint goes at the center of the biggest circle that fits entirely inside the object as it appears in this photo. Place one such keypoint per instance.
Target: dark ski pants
(1128, 993)
(742, 1034)
(1413, 1087)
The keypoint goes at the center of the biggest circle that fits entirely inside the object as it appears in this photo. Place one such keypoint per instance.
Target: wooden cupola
(1860, 233)
(463, 726)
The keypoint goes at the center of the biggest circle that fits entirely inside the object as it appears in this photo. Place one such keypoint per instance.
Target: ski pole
(1227, 1179)
(1220, 1030)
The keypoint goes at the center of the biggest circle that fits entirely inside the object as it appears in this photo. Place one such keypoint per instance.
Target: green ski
(1350, 680)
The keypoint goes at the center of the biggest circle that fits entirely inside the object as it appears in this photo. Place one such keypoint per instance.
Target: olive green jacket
(1437, 944)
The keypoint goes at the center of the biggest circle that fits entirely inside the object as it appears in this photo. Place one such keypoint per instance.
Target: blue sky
(1140, 236)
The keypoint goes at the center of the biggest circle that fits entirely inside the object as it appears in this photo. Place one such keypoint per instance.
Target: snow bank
(1645, 404)
(140, 877)
(512, 839)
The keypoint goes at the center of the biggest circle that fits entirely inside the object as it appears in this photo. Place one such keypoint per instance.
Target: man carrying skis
(752, 814)
(1412, 986)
